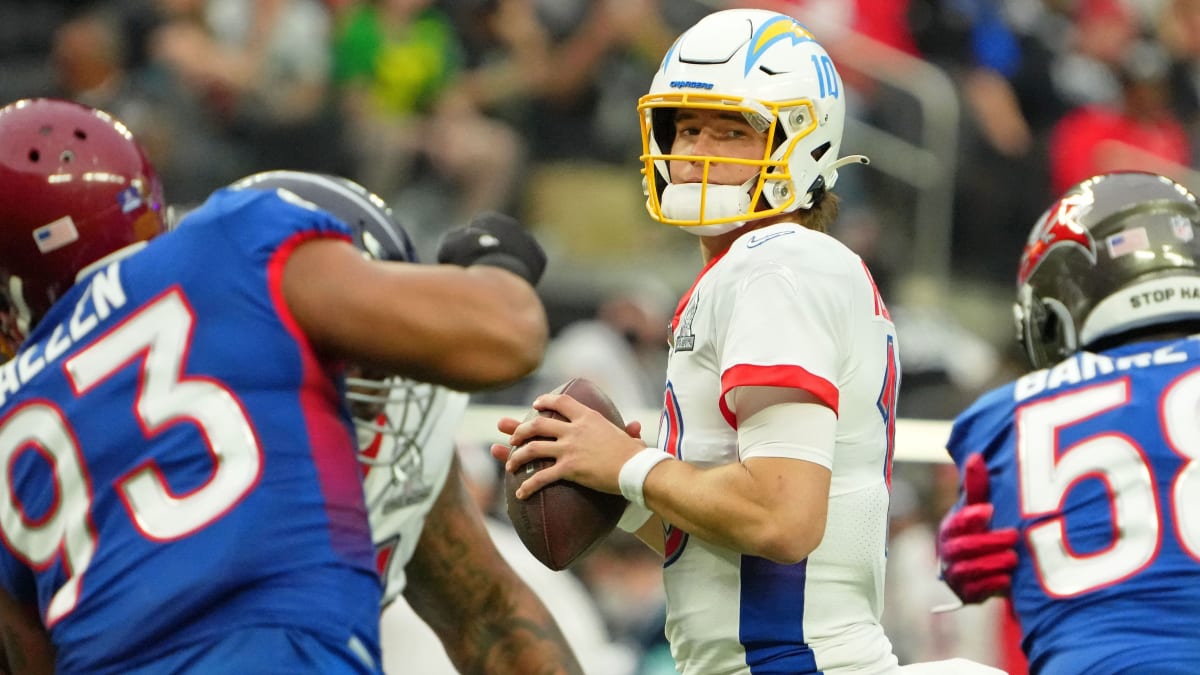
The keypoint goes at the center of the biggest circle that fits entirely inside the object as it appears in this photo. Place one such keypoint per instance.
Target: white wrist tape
(634, 471)
(634, 517)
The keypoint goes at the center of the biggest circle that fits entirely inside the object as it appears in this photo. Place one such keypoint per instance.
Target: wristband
(508, 262)
(634, 517)
(634, 471)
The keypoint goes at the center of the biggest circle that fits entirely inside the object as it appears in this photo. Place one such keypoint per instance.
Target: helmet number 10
(826, 76)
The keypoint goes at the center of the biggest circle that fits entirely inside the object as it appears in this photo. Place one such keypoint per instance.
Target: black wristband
(509, 262)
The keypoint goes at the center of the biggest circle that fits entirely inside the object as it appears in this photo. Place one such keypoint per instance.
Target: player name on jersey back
(103, 295)
(1086, 366)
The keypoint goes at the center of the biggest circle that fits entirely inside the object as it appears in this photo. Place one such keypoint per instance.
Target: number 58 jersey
(179, 463)
(1096, 462)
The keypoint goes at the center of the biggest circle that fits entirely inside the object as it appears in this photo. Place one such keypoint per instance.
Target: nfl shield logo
(130, 198)
(1182, 227)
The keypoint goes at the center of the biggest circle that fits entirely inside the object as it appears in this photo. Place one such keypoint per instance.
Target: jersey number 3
(156, 338)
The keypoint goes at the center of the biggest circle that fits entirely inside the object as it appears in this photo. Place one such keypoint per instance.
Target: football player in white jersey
(768, 492)
(432, 543)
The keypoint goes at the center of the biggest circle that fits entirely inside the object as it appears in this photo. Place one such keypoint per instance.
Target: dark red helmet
(74, 187)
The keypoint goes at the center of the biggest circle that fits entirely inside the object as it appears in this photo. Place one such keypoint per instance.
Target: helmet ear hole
(1034, 323)
(1051, 333)
(1049, 328)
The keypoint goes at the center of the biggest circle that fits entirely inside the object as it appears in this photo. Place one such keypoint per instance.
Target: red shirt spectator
(1094, 139)
(1139, 134)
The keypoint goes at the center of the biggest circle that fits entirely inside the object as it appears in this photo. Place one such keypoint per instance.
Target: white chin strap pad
(681, 201)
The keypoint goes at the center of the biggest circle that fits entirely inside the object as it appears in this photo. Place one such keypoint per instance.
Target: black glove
(494, 239)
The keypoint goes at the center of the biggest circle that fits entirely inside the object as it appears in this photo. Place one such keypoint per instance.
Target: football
(560, 523)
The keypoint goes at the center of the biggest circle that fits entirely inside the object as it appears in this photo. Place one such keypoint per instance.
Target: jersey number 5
(156, 338)
(1048, 472)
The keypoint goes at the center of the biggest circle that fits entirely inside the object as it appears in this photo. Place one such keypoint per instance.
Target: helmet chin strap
(848, 159)
(16, 296)
(681, 201)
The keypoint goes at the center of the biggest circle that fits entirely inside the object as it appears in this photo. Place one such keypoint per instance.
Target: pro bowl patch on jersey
(773, 31)
(684, 340)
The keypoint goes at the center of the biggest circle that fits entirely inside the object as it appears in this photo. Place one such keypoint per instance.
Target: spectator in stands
(395, 62)
(91, 63)
(1139, 133)
(623, 348)
(1179, 30)
(262, 67)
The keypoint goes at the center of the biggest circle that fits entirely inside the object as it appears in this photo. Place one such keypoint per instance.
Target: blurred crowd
(449, 107)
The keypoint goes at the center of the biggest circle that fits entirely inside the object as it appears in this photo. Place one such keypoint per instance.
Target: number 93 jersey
(180, 465)
(1096, 462)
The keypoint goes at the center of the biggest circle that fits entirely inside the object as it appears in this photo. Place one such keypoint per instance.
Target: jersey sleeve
(269, 220)
(783, 332)
(979, 428)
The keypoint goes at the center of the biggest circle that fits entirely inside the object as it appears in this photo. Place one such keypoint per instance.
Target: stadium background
(974, 112)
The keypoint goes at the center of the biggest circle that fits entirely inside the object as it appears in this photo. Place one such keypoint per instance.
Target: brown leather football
(563, 521)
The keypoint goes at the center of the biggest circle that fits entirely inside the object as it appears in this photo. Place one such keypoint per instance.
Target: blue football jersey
(180, 463)
(1096, 462)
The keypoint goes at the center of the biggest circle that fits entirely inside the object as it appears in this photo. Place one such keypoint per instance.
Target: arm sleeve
(774, 424)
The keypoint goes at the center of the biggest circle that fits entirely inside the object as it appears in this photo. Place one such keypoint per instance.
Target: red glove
(977, 561)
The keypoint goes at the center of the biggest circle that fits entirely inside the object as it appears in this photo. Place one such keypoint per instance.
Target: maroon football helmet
(74, 187)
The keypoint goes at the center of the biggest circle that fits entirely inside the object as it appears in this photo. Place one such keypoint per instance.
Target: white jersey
(408, 457)
(789, 307)
(409, 453)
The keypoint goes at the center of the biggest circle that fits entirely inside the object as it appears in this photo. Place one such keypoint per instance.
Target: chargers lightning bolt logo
(772, 31)
(1061, 226)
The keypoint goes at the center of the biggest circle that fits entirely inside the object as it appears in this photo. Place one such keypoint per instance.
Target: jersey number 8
(1048, 472)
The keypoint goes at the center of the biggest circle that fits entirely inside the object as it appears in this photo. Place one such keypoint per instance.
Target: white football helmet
(770, 69)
